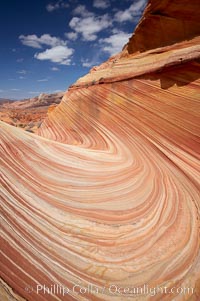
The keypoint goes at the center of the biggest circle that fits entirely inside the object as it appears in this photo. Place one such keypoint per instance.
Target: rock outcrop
(105, 203)
(28, 114)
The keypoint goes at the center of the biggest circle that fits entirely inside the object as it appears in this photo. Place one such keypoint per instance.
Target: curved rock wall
(108, 195)
(164, 23)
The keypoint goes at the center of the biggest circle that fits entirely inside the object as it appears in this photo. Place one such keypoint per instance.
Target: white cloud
(60, 4)
(71, 35)
(15, 90)
(37, 42)
(22, 72)
(20, 60)
(34, 92)
(133, 11)
(55, 69)
(101, 4)
(87, 63)
(93, 60)
(58, 54)
(21, 77)
(1, 91)
(42, 80)
(57, 91)
(82, 11)
(115, 42)
(88, 27)
(50, 7)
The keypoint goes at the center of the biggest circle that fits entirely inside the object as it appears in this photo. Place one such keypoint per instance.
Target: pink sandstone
(108, 193)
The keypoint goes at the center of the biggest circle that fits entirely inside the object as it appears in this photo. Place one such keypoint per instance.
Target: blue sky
(47, 45)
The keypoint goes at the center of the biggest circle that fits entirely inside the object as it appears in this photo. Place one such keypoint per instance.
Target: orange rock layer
(107, 198)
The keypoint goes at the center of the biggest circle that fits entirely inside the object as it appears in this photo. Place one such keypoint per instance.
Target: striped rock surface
(106, 198)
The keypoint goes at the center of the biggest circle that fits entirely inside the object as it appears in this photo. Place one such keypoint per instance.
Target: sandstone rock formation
(28, 114)
(107, 198)
(5, 100)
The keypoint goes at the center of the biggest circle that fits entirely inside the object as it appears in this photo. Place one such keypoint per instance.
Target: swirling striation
(108, 193)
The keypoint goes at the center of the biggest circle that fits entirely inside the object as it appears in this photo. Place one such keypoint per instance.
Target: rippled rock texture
(108, 195)
(28, 114)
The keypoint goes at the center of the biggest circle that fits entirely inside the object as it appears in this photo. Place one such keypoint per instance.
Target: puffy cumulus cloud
(58, 54)
(58, 5)
(89, 27)
(87, 24)
(133, 11)
(71, 35)
(101, 4)
(114, 43)
(38, 42)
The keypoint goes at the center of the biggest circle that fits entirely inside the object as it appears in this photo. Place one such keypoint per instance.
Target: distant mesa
(4, 100)
(28, 114)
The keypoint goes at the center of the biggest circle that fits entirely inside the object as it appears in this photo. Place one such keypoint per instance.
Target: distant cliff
(28, 114)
